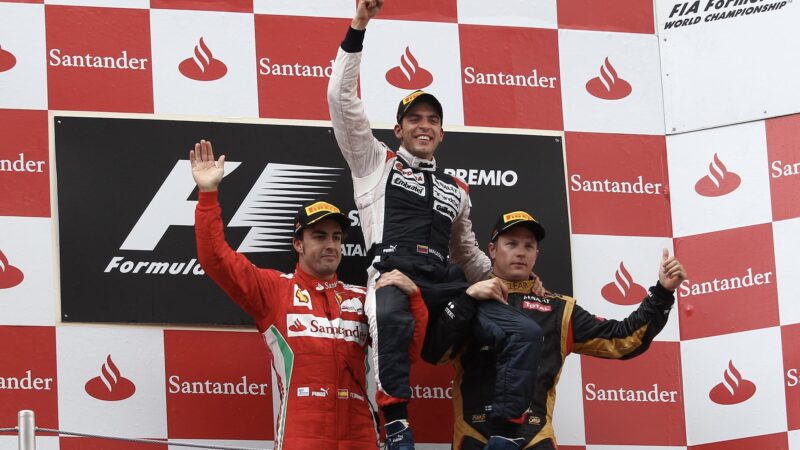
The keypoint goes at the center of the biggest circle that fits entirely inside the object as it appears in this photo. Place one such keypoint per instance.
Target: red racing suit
(317, 335)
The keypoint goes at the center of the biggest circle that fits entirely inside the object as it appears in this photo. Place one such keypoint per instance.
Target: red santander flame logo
(297, 326)
(202, 66)
(409, 75)
(733, 389)
(7, 60)
(608, 86)
(719, 181)
(623, 291)
(10, 276)
(110, 386)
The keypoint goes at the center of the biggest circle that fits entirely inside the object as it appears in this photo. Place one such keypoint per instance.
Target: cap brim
(423, 98)
(327, 215)
(535, 227)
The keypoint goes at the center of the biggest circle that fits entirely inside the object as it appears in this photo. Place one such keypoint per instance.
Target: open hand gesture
(206, 172)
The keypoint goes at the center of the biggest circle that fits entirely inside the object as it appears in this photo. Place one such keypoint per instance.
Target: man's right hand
(206, 172)
(365, 11)
(491, 289)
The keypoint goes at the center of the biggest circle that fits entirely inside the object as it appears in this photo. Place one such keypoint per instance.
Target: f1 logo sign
(279, 188)
(168, 207)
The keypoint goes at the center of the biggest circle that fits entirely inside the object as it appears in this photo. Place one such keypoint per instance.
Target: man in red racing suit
(313, 324)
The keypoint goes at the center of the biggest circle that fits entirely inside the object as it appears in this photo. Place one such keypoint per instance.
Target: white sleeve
(464, 250)
(363, 152)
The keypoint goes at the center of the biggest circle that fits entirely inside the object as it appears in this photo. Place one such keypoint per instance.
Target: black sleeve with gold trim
(622, 339)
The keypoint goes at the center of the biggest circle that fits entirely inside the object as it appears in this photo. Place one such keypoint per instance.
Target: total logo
(7, 60)
(10, 276)
(409, 75)
(203, 66)
(733, 389)
(110, 386)
(719, 180)
(623, 290)
(608, 86)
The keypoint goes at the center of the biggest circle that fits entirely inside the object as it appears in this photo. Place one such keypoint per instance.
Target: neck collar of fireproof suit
(520, 287)
(314, 283)
(417, 163)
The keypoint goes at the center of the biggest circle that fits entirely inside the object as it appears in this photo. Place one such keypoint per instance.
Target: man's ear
(298, 245)
(492, 250)
(397, 131)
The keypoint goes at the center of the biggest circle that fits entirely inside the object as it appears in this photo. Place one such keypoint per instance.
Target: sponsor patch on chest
(352, 305)
(410, 186)
(537, 304)
(301, 297)
(309, 325)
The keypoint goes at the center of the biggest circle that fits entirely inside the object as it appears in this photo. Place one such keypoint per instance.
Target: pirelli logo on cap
(410, 97)
(320, 206)
(517, 215)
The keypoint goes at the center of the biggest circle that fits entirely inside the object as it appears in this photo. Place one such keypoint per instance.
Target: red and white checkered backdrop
(678, 133)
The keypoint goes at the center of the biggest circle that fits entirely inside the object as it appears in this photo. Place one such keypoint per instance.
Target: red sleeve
(250, 287)
(420, 313)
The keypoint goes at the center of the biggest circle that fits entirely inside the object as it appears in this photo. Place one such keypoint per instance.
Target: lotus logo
(733, 389)
(719, 181)
(7, 60)
(297, 326)
(10, 276)
(608, 85)
(409, 75)
(110, 385)
(623, 291)
(202, 66)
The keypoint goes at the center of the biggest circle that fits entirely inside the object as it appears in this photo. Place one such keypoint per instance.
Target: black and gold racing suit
(567, 328)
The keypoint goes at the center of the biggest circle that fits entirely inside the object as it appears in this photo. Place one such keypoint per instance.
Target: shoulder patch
(461, 183)
(557, 296)
(389, 154)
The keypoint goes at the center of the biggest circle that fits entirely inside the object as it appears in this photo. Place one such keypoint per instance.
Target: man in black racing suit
(567, 328)
(415, 218)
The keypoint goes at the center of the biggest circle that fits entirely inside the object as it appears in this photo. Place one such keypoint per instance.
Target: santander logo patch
(409, 74)
(10, 276)
(7, 60)
(297, 326)
(110, 386)
(608, 86)
(719, 180)
(623, 290)
(202, 66)
(733, 389)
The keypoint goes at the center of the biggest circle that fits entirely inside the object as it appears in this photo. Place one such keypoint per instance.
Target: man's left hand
(670, 273)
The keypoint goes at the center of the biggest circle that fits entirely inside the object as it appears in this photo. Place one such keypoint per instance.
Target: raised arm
(248, 286)
(624, 339)
(362, 151)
